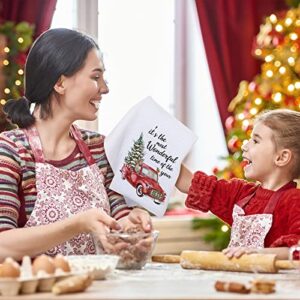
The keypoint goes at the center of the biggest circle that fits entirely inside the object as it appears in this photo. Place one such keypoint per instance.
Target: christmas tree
(277, 86)
(136, 154)
(15, 39)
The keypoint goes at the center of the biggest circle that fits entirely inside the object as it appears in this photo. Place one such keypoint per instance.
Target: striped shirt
(17, 176)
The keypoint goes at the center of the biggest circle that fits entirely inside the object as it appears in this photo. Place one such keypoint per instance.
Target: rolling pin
(167, 258)
(213, 260)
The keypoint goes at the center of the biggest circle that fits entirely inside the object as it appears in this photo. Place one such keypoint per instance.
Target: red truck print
(145, 180)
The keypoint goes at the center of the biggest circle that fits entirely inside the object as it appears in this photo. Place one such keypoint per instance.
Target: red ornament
(248, 105)
(252, 86)
(290, 101)
(281, 14)
(297, 41)
(215, 170)
(21, 59)
(234, 144)
(277, 39)
(296, 255)
(229, 123)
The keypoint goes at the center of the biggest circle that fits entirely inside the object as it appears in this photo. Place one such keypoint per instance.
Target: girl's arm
(281, 252)
(184, 179)
(208, 193)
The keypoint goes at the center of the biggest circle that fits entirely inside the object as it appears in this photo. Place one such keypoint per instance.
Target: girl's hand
(239, 251)
(135, 217)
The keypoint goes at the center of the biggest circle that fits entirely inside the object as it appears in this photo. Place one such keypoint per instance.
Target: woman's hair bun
(18, 112)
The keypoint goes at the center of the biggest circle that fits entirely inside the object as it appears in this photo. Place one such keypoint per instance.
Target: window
(137, 40)
(65, 15)
(152, 48)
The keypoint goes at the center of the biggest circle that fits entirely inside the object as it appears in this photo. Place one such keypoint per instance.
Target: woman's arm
(127, 216)
(118, 205)
(35, 240)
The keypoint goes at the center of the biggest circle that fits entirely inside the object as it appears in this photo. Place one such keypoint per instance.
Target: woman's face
(84, 90)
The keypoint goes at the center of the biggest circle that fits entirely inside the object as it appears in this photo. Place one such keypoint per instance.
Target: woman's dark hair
(56, 52)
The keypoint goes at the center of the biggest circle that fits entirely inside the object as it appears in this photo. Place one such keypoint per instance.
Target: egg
(10, 268)
(61, 263)
(43, 264)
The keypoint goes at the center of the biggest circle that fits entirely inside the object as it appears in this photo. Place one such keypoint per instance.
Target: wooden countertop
(170, 281)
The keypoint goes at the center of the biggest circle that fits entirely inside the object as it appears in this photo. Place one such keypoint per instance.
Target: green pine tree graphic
(136, 153)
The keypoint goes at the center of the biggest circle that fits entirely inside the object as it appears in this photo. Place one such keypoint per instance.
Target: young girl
(264, 216)
(55, 177)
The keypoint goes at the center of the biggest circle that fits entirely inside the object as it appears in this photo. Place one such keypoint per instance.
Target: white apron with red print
(63, 193)
(250, 231)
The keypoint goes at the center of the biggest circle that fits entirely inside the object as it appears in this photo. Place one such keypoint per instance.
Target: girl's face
(260, 154)
(84, 90)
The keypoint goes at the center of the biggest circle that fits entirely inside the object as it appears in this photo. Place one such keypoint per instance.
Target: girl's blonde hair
(285, 125)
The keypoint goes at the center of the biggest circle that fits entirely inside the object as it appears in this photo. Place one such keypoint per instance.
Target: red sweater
(219, 196)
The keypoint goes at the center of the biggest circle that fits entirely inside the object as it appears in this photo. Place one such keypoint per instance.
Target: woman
(54, 183)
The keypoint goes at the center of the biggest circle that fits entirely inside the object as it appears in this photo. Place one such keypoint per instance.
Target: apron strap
(37, 149)
(273, 200)
(276, 197)
(243, 202)
(82, 145)
(35, 143)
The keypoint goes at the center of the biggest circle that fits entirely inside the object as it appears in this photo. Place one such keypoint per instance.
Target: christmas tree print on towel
(140, 175)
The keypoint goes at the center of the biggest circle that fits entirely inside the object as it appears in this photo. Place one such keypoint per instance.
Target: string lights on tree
(277, 86)
(15, 41)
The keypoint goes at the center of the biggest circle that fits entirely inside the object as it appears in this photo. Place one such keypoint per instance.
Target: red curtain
(228, 29)
(37, 12)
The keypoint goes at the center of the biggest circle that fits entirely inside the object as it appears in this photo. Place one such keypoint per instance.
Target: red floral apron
(250, 231)
(63, 193)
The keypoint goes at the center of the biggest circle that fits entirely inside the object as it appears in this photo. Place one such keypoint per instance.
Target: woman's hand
(97, 222)
(239, 251)
(137, 216)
